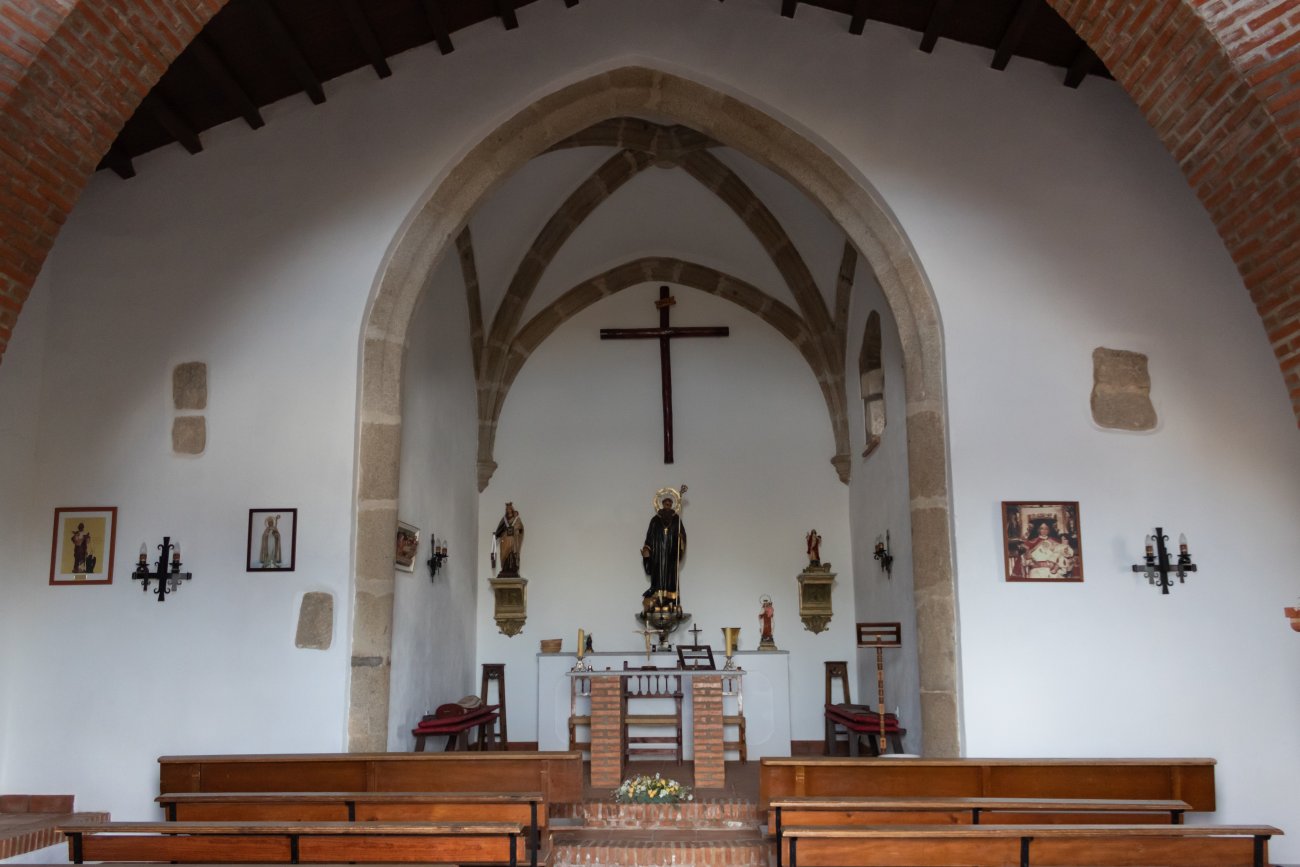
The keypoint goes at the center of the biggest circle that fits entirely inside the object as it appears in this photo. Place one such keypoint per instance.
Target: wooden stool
(838, 670)
(494, 672)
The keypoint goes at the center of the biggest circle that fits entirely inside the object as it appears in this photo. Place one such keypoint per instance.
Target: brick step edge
(722, 813)
(30, 839)
(651, 854)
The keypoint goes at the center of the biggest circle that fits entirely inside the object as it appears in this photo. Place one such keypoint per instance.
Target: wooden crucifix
(664, 334)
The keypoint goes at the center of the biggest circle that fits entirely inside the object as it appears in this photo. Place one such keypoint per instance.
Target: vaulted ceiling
(256, 52)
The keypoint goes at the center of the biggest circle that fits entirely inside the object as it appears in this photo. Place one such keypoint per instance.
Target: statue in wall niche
(508, 542)
(814, 548)
(269, 554)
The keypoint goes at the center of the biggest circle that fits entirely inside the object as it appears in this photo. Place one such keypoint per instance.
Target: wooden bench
(1029, 845)
(558, 776)
(526, 808)
(295, 842)
(1190, 780)
(960, 811)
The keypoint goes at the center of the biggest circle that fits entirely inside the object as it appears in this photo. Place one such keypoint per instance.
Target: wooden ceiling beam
(275, 27)
(366, 36)
(1084, 62)
(788, 7)
(210, 59)
(170, 119)
(438, 24)
(858, 22)
(939, 14)
(1014, 32)
(117, 160)
(569, 4)
(506, 12)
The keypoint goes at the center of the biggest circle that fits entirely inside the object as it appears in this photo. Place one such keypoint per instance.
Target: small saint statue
(814, 548)
(508, 542)
(664, 550)
(765, 615)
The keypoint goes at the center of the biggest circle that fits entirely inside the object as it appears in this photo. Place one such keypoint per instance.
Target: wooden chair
(651, 685)
(579, 694)
(731, 688)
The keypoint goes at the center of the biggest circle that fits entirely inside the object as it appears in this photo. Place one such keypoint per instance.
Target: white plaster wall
(580, 449)
(879, 500)
(1049, 221)
(433, 640)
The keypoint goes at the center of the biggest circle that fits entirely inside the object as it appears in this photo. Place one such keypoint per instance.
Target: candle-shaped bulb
(176, 552)
(1182, 543)
(1150, 543)
(144, 553)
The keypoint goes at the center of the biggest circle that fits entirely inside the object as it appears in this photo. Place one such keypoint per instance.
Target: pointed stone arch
(429, 235)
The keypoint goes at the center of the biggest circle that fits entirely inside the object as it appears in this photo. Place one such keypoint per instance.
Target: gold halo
(668, 492)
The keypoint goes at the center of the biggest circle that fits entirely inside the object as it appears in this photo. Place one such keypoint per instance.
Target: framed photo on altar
(407, 544)
(1042, 541)
(272, 540)
(84, 541)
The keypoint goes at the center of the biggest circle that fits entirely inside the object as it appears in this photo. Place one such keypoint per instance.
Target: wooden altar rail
(1190, 780)
(557, 775)
(295, 842)
(1030, 845)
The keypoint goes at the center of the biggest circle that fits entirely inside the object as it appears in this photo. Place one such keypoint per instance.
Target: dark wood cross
(664, 334)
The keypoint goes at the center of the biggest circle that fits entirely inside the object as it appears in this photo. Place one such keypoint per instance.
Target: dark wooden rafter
(858, 22)
(117, 160)
(216, 68)
(569, 4)
(1084, 62)
(366, 37)
(788, 7)
(506, 12)
(170, 119)
(438, 24)
(1014, 32)
(297, 62)
(934, 26)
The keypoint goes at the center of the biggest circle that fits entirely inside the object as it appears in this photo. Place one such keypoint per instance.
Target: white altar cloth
(765, 686)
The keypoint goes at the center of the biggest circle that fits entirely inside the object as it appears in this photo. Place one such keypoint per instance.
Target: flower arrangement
(645, 789)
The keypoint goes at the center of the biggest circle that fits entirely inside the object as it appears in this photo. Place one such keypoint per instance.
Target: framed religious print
(84, 540)
(1042, 541)
(408, 543)
(272, 540)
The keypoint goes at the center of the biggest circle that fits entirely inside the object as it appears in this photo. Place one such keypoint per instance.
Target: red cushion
(451, 725)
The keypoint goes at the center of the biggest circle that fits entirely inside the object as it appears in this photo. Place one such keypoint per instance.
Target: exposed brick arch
(1219, 81)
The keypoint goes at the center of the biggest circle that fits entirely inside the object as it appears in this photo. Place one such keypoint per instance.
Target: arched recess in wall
(871, 382)
(429, 234)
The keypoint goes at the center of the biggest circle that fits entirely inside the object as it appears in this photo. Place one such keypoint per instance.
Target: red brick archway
(1219, 81)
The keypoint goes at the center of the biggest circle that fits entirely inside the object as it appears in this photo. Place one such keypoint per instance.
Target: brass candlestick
(730, 639)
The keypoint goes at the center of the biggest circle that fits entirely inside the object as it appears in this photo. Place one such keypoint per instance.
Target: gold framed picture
(85, 538)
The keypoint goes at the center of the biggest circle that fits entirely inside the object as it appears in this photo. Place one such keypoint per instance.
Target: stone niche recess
(1121, 390)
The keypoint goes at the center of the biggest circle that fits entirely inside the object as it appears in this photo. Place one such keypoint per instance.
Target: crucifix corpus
(664, 334)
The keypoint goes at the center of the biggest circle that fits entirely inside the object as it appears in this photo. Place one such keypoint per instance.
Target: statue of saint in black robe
(663, 552)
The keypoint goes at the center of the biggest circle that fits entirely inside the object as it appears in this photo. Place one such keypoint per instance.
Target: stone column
(606, 732)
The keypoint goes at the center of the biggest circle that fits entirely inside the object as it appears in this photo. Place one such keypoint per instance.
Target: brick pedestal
(606, 732)
(706, 732)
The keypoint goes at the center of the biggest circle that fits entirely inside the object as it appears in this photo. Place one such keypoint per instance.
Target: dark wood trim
(807, 748)
(858, 22)
(296, 61)
(118, 160)
(438, 24)
(209, 57)
(939, 14)
(788, 7)
(366, 37)
(1014, 32)
(506, 12)
(170, 119)
(1084, 62)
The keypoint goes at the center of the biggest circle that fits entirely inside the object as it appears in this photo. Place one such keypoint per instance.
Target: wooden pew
(557, 775)
(1029, 845)
(526, 808)
(960, 811)
(1190, 780)
(295, 842)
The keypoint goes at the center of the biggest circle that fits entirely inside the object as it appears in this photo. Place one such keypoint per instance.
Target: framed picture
(84, 541)
(1042, 541)
(408, 543)
(272, 540)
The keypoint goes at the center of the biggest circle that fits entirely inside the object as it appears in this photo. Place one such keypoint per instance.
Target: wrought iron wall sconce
(168, 578)
(882, 554)
(1157, 566)
(439, 556)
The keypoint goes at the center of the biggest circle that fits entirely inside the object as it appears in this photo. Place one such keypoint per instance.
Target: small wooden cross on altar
(695, 633)
(664, 333)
